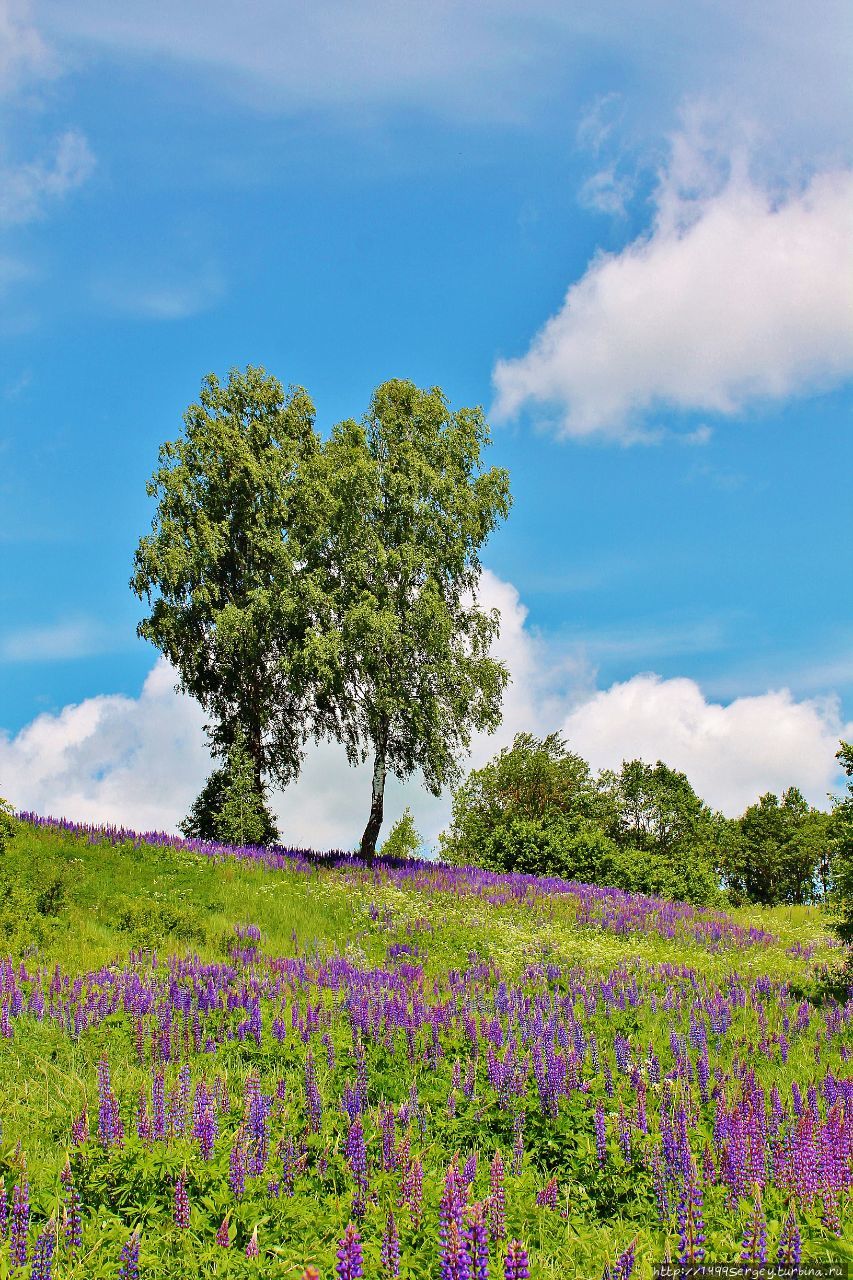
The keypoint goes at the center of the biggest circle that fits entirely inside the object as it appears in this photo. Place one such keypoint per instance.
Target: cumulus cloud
(24, 55)
(739, 293)
(141, 761)
(731, 754)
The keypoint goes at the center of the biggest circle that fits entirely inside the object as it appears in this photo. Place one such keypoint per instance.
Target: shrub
(403, 839)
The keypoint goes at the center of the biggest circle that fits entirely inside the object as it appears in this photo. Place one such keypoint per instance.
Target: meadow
(243, 1062)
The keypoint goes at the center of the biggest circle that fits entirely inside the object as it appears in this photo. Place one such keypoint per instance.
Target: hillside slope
(220, 1058)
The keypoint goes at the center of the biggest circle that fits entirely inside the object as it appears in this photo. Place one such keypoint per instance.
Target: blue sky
(626, 231)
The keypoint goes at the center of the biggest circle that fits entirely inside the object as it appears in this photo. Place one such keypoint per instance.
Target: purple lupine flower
(477, 1237)
(516, 1265)
(497, 1199)
(42, 1266)
(223, 1236)
(387, 1125)
(390, 1251)
(625, 1263)
(181, 1212)
(237, 1168)
(754, 1244)
(313, 1101)
(144, 1127)
(253, 1249)
(20, 1223)
(788, 1251)
(257, 1133)
(691, 1227)
(356, 1155)
(411, 1191)
(455, 1259)
(129, 1258)
(469, 1169)
(547, 1197)
(350, 1262)
(4, 1210)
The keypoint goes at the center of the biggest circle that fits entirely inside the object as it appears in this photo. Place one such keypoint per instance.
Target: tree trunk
(377, 807)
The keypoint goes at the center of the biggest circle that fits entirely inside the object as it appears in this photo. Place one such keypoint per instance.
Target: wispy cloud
(175, 295)
(57, 642)
(27, 190)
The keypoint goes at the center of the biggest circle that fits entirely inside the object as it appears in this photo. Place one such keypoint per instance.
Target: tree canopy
(328, 589)
(401, 646)
(220, 570)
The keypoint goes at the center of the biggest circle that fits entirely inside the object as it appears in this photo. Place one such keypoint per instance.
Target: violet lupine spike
(497, 1199)
(411, 1191)
(754, 1244)
(356, 1155)
(313, 1102)
(42, 1265)
(181, 1205)
(455, 1261)
(477, 1237)
(516, 1264)
(547, 1197)
(20, 1223)
(390, 1251)
(237, 1169)
(223, 1235)
(691, 1226)
(350, 1259)
(789, 1249)
(4, 1210)
(626, 1262)
(129, 1259)
(253, 1249)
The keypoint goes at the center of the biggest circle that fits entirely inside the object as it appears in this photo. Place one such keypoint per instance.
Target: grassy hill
(221, 1058)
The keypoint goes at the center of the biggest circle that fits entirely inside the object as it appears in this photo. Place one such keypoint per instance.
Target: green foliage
(779, 851)
(400, 646)
(842, 900)
(33, 891)
(220, 569)
(8, 824)
(535, 808)
(403, 840)
(230, 807)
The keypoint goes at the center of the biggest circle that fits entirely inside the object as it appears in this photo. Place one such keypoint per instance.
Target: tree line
(537, 808)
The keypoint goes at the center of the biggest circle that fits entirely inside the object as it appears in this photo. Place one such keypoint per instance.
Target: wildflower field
(246, 1062)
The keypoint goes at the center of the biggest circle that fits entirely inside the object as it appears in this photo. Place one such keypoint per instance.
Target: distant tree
(221, 571)
(842, 898)
(403, 840)
(667, 837)
(8, 825)
(230, 808)
(401, 646)
(533, 808)
(781, 851)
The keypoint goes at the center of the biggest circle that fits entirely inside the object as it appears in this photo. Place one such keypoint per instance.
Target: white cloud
(24, 56)
(141, 761)
(26, 189)
(731, 754)
(500, 59)
(137, 761)
(738, 293)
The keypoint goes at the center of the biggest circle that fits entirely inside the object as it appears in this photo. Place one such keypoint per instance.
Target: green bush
(403, 839)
